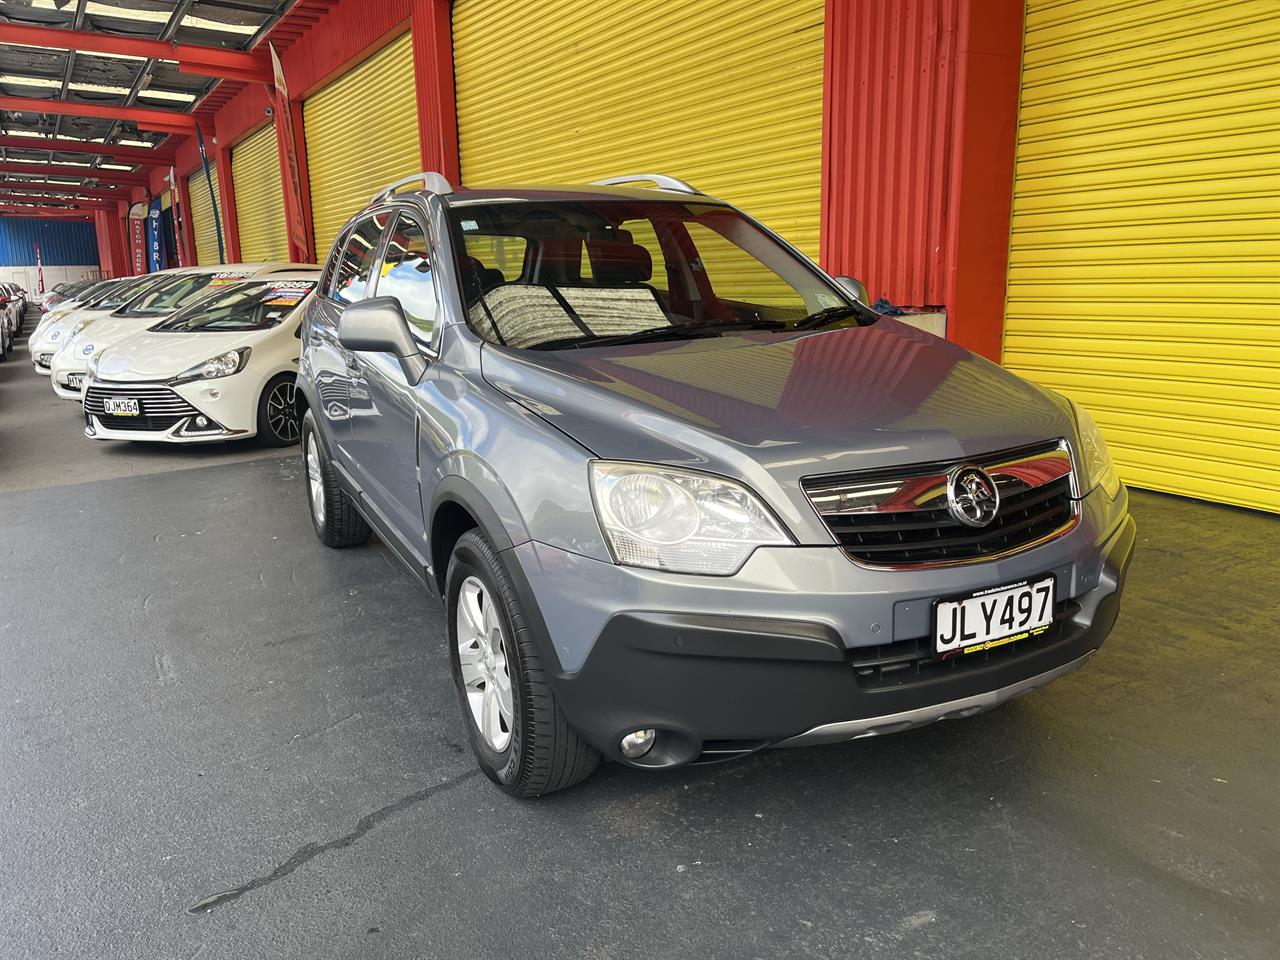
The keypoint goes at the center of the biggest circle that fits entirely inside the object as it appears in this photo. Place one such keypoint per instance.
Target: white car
(56, 324)
(93, 332)
(13, 305)
(223, 368)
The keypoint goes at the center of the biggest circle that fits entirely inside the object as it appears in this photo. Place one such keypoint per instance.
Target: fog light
(202, 422)
(636, 744)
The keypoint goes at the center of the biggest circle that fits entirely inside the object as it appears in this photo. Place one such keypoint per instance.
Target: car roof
(571, 193)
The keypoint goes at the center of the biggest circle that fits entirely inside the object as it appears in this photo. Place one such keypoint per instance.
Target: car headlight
(93, 365)
(1095, 465)
(223, 365)
(666, 518)
(78, 327)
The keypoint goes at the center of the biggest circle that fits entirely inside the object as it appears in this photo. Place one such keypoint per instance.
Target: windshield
(93, 290)
(257, 305)
(180, 292)
(124, 291)
(555, 275)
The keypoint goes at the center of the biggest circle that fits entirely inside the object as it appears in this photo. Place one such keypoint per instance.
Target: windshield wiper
(692, 331)
(829, 315)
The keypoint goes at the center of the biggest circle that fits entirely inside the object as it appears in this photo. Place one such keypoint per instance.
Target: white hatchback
(222, 368)
(93, 332)
(99, 300)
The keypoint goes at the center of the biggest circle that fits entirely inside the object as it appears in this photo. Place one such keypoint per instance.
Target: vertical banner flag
(299, 235)
(176, 210)
(213, 199)
(39, 270)
(155, 238)
(137, 234)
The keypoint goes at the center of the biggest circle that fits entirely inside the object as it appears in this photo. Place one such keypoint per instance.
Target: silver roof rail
(660, 180)
(429, 179)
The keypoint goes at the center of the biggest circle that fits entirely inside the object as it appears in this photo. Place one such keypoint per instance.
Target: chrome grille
(159, 408)
(899, 517)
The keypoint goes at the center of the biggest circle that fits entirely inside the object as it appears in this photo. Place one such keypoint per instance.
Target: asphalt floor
(220, 739)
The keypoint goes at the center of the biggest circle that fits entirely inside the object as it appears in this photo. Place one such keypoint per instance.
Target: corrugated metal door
(204, 226)
(1145, 249)
(726, 96)
(362, 134)
(255, 173)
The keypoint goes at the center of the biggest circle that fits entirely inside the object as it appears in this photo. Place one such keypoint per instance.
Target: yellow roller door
(1144, 265)
(203, 222)
(362, 133)
(725, 95)
(255, 174)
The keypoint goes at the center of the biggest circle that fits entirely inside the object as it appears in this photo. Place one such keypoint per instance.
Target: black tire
(337, 523)
(543, 754)
(278, 424)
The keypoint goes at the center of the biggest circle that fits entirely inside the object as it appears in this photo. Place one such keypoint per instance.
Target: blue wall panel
(62, 242)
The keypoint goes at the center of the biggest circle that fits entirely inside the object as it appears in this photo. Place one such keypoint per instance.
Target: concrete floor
(197, 698)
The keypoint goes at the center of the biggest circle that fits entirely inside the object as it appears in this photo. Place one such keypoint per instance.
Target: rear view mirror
(855, 287)
(378, 326)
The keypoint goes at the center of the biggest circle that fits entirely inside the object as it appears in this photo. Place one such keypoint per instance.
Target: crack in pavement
(310, 851)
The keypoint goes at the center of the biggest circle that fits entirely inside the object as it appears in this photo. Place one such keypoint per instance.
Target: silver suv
(683, 495)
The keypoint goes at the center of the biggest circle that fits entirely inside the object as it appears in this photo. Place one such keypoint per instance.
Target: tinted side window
(351, 278)
(406, 274)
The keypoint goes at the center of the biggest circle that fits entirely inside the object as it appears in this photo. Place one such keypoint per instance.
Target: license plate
(75, 381)
(994, 617)
(120, 406)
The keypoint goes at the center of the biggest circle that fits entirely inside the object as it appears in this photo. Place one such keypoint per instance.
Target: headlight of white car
(93, 365)
(666, 518)
(223, 365)
(1096, 465)
(78, 327)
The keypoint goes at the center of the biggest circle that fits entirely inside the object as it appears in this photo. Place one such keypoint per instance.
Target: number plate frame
(994, 640)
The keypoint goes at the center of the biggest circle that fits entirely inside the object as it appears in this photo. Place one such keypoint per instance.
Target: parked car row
(13, 308)
(190, 355)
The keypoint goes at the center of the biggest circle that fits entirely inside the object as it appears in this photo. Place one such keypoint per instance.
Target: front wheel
(515, 727)
(277, 415)
(333, 517)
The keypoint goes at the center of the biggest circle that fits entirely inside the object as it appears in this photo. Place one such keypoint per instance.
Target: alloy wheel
(315, 481)
(282, 417)
(482, 655)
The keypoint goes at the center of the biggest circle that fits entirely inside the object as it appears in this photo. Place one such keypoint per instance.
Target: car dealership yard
(221, 739)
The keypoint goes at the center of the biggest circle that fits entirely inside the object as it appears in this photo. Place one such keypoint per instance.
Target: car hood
(771, 408)
(160, 356)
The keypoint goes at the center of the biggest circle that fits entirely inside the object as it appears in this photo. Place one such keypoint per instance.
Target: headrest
(619, 261)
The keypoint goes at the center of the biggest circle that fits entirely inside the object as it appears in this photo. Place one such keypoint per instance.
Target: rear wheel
(278, 424)
(333, 517)
(517, 732)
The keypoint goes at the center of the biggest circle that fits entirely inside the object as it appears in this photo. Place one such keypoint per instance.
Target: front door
(384, 432)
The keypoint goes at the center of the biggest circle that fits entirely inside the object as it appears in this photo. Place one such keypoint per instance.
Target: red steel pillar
(920, 114)
(433, 74)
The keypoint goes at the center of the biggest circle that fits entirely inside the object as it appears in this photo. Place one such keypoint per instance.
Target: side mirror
(378, 326)
(855, 287)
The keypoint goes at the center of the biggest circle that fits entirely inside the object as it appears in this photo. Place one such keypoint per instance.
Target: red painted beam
(164, 121)
(43, 213)
(11, 198)
(134, 155)
(204, 61)
(119, 177)
(29, 186)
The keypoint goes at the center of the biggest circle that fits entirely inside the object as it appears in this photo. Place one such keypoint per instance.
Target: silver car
(682, 494)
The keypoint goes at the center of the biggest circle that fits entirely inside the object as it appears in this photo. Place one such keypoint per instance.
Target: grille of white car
(159, 408)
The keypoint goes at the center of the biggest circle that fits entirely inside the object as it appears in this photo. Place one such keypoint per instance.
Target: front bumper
(719, 684)
(177, 414)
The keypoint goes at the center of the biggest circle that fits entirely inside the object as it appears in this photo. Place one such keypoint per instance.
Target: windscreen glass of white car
(181, 292)
(248, 306)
